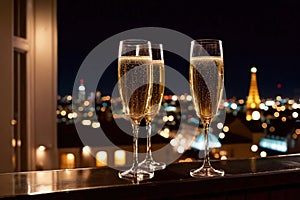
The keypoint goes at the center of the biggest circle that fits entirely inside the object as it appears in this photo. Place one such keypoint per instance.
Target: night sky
(265, 35)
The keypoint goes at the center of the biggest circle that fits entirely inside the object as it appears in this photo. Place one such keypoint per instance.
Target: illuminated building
(81, 92)
(253, 99)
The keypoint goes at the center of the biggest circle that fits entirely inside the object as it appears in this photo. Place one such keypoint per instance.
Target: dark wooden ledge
(254, 178)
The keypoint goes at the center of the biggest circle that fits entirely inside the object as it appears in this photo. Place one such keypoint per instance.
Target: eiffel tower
(253, 99)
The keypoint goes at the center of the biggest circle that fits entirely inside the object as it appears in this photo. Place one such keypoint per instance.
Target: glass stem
(148, 153)
(135, 128)
(206, 163)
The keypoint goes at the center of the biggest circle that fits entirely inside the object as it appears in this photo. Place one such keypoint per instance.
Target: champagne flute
(158, 76)
(206, 83)
(135, 87)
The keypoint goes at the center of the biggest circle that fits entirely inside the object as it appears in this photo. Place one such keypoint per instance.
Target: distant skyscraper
(81, 92)
(253, 99)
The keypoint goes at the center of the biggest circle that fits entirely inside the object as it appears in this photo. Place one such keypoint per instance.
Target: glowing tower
(81, 92)
(253, 99)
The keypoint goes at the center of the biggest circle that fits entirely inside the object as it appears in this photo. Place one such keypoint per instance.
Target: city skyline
(263, 35)
(277, 120)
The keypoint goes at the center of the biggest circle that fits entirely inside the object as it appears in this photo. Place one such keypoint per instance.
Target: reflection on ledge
(256, 178)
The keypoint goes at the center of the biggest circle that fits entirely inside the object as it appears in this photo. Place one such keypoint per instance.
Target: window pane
(20, 135)
(20, 18)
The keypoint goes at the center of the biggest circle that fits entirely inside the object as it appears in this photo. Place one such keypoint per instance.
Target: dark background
(263, 34)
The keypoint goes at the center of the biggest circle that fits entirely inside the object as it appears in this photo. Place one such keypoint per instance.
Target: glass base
(151, 165)
(206, 172)
(135, 175)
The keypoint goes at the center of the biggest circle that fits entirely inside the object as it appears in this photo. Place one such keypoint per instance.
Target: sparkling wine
(134, 88)
(206, 83)
(157, 90)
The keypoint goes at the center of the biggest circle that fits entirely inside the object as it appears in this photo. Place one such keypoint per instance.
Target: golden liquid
(135, 94)
(157, 90)
(206, 84)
